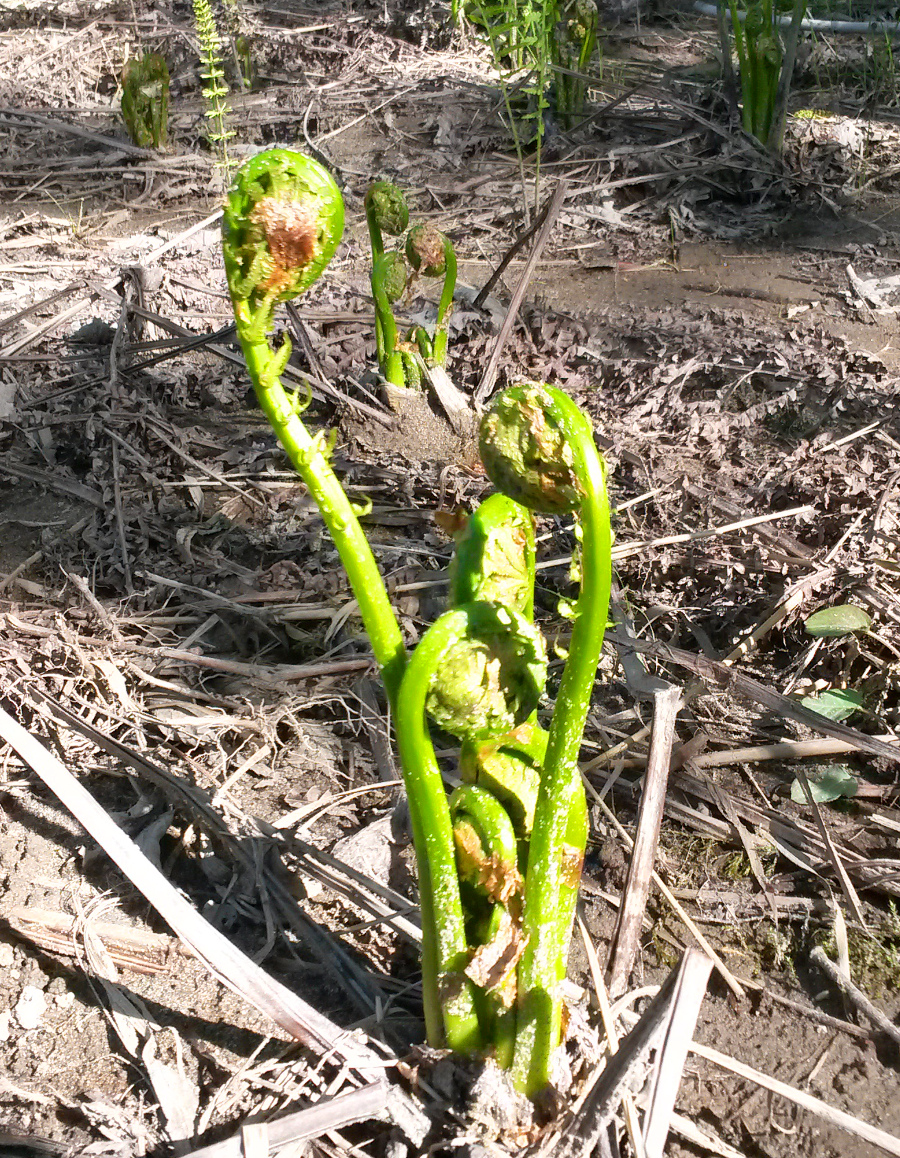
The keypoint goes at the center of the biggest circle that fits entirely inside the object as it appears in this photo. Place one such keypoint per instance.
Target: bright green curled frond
(494, 558)
(510, 769)
(491, 676)
(386, 212)
(284, 218)
(391, 268)
(530, 446)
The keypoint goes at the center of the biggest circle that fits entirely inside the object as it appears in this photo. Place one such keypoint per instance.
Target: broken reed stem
(627, 935)
(601, 1101)
(371, 1101)
(693, 977)
(854, 994)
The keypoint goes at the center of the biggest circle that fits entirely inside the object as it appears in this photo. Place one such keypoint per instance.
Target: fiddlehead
(494, 558)
(431, 254)
(388, 286)
(386, 212)
(283, 220)
(538, 448)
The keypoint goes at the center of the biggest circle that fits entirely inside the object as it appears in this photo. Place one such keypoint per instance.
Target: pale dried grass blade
(632, 1122)
(626, 938)
(232, 967)
(329, 1114)
(887, 1142)
(691, 989)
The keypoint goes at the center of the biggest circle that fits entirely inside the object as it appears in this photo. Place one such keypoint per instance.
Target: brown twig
(520, 242)
(490, 371)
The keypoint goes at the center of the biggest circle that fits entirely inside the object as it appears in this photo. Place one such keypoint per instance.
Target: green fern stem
(538, 447)
(283, 219)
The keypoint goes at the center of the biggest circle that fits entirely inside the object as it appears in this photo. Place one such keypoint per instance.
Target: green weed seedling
(830, 782)
(145, 100)
(499, 859)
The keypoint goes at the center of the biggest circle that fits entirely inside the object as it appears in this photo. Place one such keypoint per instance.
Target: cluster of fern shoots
(500, 856)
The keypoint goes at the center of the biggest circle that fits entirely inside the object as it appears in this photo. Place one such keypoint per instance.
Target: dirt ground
(726, 321)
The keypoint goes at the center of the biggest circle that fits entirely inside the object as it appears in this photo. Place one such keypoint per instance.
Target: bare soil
(164, 575)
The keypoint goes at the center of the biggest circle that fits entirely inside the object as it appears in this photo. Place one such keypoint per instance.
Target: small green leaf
(828, 782)
(836, 621)
(837, 704)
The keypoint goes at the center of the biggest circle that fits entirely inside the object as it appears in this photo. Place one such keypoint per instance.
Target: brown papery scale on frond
(572, 866)
(499, 879)
(492, 967)
(291, 230)
(425, 250)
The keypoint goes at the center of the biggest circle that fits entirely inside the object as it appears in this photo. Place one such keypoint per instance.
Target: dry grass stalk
(627, 935)
(627, 1069)
(887, 1142)
(220, 956)
(360, 1105)
(854, 994)
(489, 375)
(223, 959)
(666, 1078)
(728, 977)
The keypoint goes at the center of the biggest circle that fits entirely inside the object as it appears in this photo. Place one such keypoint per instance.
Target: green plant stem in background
(555, 41)
(145, 100)
(573, 43)
(538, 447)
(765, 65)
(775, 138)
(283, 219)
(387, 212)
(215, 91)
(519, 34)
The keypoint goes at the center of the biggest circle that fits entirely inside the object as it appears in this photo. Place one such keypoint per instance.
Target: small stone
(31, 1007)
